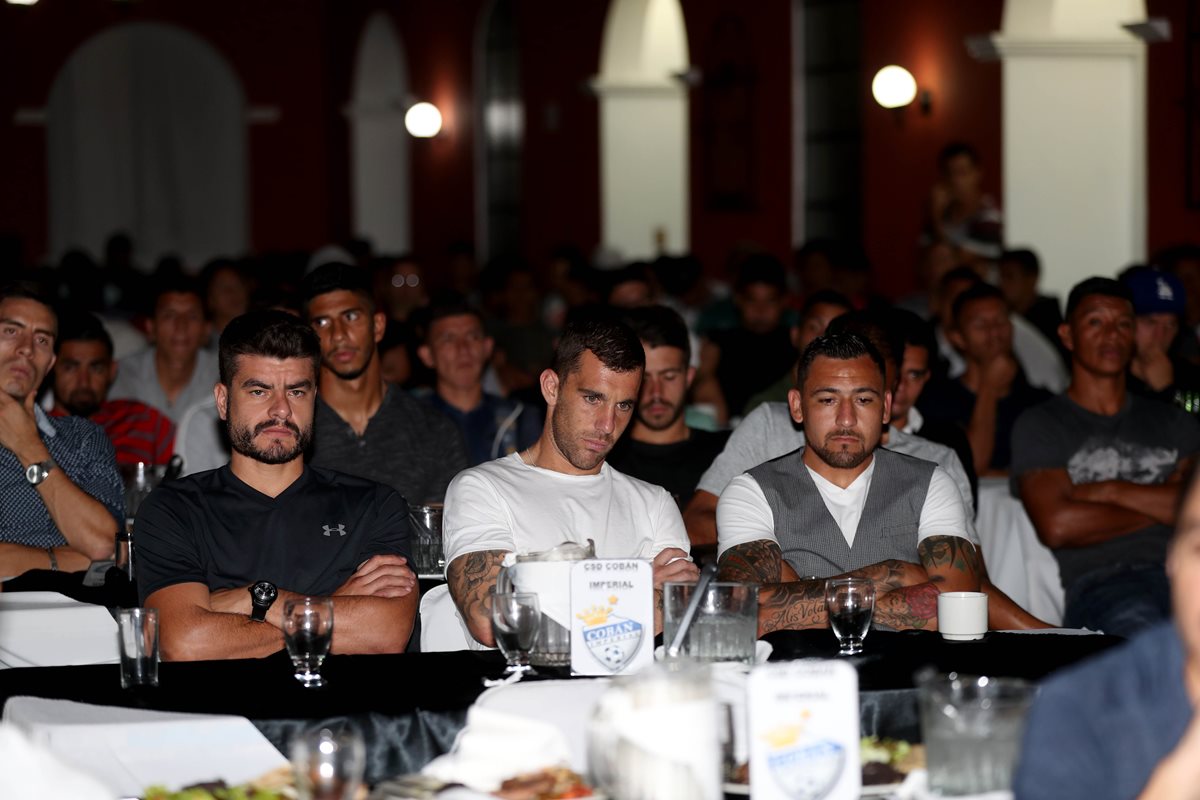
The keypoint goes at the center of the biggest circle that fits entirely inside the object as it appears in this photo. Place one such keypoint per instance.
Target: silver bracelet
(53, 559)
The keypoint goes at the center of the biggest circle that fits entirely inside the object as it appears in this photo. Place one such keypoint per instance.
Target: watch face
(264, 593)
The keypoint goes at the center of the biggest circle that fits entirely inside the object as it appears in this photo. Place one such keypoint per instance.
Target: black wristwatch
(262, 595)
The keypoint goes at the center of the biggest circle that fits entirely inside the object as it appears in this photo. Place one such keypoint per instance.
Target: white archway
(644, 129)
(146, 134)
(379, 143)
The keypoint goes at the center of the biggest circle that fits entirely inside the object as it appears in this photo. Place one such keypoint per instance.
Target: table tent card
(804, 736)
(612, 616)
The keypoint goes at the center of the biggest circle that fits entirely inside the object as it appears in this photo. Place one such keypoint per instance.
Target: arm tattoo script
(471, 579)
(753, 562)
(791, 606)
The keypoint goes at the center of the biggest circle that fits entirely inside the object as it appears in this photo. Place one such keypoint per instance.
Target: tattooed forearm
(471, 579)
(953, 563)
(753, 562)
(791, 606)
(909, 607)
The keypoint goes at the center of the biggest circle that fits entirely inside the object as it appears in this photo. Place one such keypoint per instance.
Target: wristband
(53, 559)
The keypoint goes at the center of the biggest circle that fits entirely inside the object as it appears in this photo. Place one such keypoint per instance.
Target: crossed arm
(905, 593)
(373, 612)
(1077, 515)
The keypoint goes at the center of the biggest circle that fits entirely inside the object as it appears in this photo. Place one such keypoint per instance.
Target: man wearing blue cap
(1159, 303)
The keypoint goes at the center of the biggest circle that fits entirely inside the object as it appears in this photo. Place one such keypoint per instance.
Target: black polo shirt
(212, 528)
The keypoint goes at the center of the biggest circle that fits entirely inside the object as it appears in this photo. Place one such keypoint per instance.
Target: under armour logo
(340, 530)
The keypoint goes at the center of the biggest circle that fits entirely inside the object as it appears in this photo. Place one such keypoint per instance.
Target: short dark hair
(601, 331)
(955, 149)
(1169, 258)
(442, 307)
(959, 274)
(83, 326)
(1096, 285)
(828, 297)
(761, 268)
(171, 282)
(841, 347)
(915, 331)
(270, 333)
(979, 291)
(1025, 259)
(872, 327)
(337, 277)
(26, 290)
(660, 326)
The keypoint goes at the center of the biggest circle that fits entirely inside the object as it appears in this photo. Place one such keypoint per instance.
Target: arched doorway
(379, 143)
(643, 129)
(146, 134)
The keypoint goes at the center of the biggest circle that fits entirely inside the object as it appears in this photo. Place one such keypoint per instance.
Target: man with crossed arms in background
(841, 505)
(560, 488)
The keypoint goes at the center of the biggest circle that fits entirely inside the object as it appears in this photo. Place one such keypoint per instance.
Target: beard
(841, 458)
(579, 457)
(241, 438)
(660, 422)
(82, 402)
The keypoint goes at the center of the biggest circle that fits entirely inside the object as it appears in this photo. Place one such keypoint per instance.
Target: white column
(643, 129)
(1074, 111)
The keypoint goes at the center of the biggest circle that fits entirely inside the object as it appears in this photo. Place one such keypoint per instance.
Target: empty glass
(516, 618)
(308, 632)
(850, 604)
(328, 763)
(427, 543)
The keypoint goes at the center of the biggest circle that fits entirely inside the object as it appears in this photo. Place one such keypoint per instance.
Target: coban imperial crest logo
(611, 639)
(339, 529)
(804, 768)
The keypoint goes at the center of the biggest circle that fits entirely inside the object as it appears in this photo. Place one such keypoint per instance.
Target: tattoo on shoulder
(954, 552)
(754, 562)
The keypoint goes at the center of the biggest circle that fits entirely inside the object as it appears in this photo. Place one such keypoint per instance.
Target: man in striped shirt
(83, 373)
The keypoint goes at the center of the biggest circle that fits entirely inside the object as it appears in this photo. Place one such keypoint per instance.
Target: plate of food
(885, 765)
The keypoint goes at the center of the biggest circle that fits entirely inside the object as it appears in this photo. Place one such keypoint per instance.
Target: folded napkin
(128, 749)
(31, 772)
(46, 629)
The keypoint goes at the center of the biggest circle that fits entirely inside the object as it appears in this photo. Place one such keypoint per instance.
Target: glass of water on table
(516, 620)
(308, 633)
(850, 604)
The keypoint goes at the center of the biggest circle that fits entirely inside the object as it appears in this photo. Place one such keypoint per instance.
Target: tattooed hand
(471, 579)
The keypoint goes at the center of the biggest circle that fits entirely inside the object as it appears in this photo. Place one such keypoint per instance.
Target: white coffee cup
(962, 616)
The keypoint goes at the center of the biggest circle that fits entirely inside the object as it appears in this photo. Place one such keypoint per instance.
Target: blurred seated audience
(1019, 273)
(1123, 724)
(83, 373)
(395, 353)
(630, 286)
(227, 292)
(1183, 261)
(458, 350)
(220, 552)
(989, 396)
(737, 363)
(1099, 470)
(1157, 369)
(524, 345)
(399, 286)
(561, 488)
(63, 501)
(659, 447)
(961, 214)
(1038, 358)
(176, 374)
(364, 426)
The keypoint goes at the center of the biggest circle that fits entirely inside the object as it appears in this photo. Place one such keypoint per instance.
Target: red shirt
(138, 432)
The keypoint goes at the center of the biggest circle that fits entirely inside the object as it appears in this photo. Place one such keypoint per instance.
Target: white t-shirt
(743, 514)
(509, 505)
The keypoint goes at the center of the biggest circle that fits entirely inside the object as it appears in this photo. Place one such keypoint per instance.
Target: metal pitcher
(548, 575)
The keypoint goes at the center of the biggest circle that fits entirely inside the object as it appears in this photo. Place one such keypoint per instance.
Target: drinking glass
(328, 763)
(850, 603)
(516, 619)
(308, 632)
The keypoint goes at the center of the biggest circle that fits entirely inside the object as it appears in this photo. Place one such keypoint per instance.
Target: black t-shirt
(676, 467)
(951, 401)
(212, 528)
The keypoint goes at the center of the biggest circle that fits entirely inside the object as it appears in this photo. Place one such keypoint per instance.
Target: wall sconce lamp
(895, 87)
(423, 120)
(21, 2)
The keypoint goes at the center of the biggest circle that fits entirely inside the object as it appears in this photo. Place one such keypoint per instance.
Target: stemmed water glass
(308, 632)
(850, 604)
(516, 619)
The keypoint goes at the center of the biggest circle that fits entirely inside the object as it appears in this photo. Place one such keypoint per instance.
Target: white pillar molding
(643, 129)
(1074, 129)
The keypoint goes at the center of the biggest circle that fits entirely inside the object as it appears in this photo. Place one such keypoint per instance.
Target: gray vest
(809, 536)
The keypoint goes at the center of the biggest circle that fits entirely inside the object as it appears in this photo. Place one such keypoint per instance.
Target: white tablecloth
(46, 629)
(1017, 561)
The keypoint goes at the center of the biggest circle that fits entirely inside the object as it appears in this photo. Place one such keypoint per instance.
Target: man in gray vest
(842, 505)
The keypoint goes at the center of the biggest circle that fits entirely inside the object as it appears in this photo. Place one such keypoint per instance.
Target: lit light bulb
(894, 87)
(423, 120)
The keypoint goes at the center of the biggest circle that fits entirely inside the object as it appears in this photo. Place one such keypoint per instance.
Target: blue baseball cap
(1155, 292)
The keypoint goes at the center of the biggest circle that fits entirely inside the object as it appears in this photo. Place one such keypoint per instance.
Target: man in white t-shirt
(843, 506)
(560, 490)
